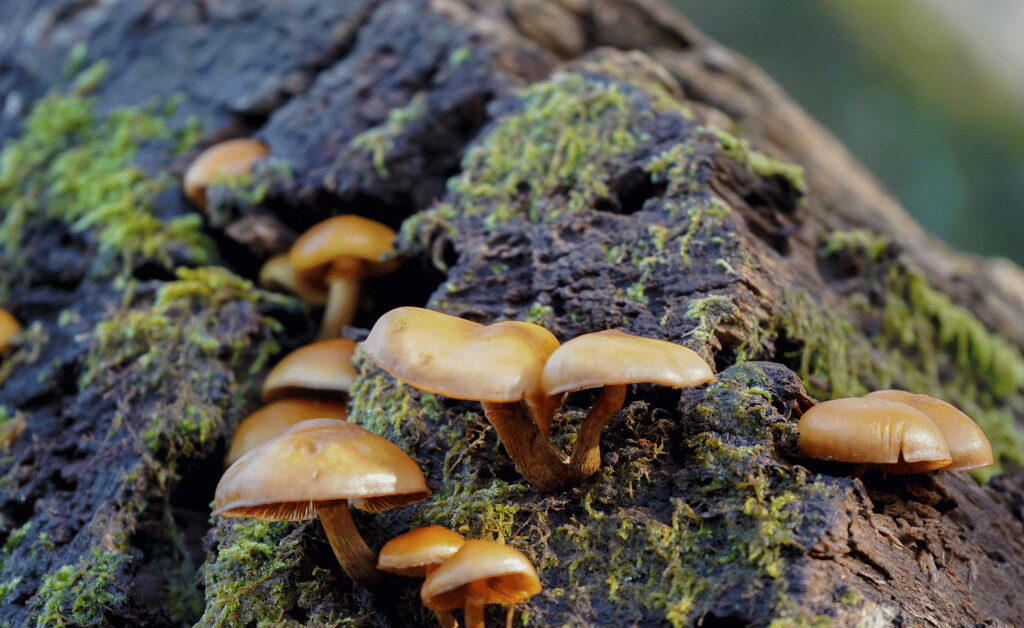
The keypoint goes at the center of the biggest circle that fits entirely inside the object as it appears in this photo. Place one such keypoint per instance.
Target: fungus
(230, 158)
(273, 419)
(321, 368)
(8, 327)
(498, 365)
(418, 553)
(612, 359)
(873, 431)
(277, 274)
(315, 469)
(336, 254)
(481, 572)
(967, 444)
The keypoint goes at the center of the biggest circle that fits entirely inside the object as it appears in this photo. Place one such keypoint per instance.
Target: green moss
(760, 163)
(74, 165)
(380, 140)
(538, 313)
(859, 242)
(477, 510)
(458, 56)
(81, 594)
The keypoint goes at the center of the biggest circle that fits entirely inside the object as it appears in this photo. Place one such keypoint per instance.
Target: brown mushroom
(277, 274)
(873, 431)
(322, 368)
(612, 359)
(230, 158)
(480, 573)
(418, 553)
(274, 418)
(967, 444)
(315, 469)
(336, 254)
(498, 365)
(8, 327)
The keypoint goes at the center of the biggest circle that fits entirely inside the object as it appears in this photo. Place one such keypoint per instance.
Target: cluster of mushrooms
(299, 458)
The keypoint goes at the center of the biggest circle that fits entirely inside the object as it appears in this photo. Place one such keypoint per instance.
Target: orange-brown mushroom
(336, 254)
(418, 553)
(226, 159)
(277, 274)
(271, 420)
(967, 444)
(8, 327)
(316, 469)
(612, 359)
(322, 368)
(498, 365)
(873, 431)
(480, 573)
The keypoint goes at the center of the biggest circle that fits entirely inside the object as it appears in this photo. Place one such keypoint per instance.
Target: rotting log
(582, 164)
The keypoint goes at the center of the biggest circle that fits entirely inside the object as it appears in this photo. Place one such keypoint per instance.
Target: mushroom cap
(411, 553)
(872, 431)
(273, 419)
(277, 274)
(460, 359)
(233, 157)
(967, 444)
(611, 357)
(319, 460)
(483, 571)
(324, 366)
(8, 327)
(355, 243)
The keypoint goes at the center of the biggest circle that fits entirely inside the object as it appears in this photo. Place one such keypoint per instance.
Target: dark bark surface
(583, 164)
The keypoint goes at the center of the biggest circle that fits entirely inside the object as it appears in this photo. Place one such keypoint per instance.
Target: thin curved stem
(540, 463)
(586, 454)
(445, 618)
(342, 299)
(354, 556)
(474, 612)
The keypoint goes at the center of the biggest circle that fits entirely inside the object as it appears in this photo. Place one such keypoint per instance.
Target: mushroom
(612, 359)
(276, 417)
(967, 444)
(336, 254)
(322, 368)
(418, 553)
(230, 158)
(315, 469)
(277, 274)
(481, 572)
(8, 327)
(873, 431)
(498, 365)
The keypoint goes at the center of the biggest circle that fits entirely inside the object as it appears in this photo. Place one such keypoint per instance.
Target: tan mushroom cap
(460, 359)
(273, 419)
(320, 460)
(967, 443)
(484, 572)
(8, 327)
(611, 357)
(354, 237)
(411, 553)
(872, 431)
(277, 274)
(230, 158)
(324, 366)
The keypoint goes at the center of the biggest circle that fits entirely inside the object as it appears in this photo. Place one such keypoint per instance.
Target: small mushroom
(335, 255)
(322, 368)
(315, 469)
(274, 418)
(230, 158)
(480, 573)
(8, 327)
(277, 274)
(873, 431)
(498, 365)
(967, 444)
(418, 553)
(612, 359)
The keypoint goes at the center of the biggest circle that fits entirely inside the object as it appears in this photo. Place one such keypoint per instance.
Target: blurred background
(928, 94)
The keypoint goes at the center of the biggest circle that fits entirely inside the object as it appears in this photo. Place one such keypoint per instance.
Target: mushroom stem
(474, 612)
(358, 560)
(445, 618)
(540, 463)
(509, 615)
(586, 454)
(342, 299)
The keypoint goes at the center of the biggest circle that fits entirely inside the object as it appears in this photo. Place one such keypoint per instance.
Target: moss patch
(380, 140)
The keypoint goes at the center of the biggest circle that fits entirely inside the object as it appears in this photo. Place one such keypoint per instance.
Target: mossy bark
(538, 169)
